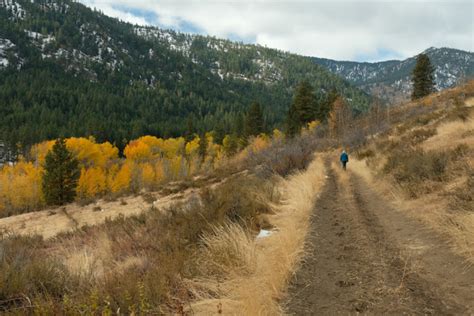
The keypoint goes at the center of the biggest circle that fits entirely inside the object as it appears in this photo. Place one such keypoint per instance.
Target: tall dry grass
(249, 276)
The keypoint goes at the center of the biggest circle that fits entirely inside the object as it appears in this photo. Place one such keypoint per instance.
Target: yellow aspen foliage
(194, 165)
(174, 146)
(138, 151)
(39, 151)
(155, 147)
(312, 125)
(147, 175)
(108, 152)
(260, 142)
(178, 167)
(192, 147)
(92, 182)
(120, 181)
(155, 144)
(219, 158)
(278, 135)
(20, 186)
(159, 171)
(86, 150)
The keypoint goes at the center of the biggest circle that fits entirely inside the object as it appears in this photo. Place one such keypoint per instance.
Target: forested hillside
(66, 70)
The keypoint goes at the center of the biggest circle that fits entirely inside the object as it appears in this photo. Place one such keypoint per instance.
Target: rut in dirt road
(354, 266)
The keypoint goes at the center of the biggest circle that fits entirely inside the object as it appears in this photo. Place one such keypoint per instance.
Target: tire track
(353, 265)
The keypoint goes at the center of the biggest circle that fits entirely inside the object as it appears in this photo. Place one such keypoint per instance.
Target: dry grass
(51, 222)
(447, 206)
(432, 209)
(451, 134)
(253, 273)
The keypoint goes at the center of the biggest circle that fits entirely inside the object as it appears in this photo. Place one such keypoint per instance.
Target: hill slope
(67, 70)
(391, 80)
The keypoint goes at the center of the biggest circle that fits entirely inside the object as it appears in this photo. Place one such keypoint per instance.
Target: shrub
(411, 168)
(463, 197)
(460, 111)
(366, 153)
(418, 136)
(28, 273)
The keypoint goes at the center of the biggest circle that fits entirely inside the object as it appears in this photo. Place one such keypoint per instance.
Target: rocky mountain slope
(67, 70)
(391, 80)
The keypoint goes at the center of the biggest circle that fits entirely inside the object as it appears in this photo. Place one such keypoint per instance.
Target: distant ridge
(391, 80)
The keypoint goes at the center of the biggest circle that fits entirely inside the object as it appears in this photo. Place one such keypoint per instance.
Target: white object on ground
(264, 233)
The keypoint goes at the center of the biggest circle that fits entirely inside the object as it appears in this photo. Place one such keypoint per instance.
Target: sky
(370, 30)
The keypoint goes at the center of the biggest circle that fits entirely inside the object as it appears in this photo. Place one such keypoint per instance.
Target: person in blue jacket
(344, 159)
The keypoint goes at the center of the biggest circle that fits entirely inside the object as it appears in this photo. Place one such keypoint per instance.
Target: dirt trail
(366, 257)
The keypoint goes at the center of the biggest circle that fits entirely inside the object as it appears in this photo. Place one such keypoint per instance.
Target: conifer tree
(422, 77)
(61, 175)
(304, 102)
(293, 124)
(238, 125)
(219, 132)
(302, 110)
(202, 146)
(189, 133)
(254, 122)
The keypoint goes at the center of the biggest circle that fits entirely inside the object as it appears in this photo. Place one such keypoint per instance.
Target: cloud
(349, 29)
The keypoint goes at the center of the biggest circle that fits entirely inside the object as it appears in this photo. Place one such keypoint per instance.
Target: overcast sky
(338, 29)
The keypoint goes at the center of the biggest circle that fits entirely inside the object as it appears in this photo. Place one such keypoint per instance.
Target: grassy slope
(426, 164)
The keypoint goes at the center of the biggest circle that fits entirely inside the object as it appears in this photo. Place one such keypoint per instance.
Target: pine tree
(422, 77)
(293, 124)
(302, 110)
(61, 175)
(254, 122)
(189, 133)
(219, 132)
(305, 102)
(202, 146)
(238, 125)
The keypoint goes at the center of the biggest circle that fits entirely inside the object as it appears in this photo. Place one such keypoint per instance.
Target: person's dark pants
(344, 164)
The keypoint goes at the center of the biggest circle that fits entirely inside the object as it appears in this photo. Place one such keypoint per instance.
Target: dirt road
(366, 257)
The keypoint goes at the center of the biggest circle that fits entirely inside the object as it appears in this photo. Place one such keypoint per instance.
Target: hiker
(344, 159)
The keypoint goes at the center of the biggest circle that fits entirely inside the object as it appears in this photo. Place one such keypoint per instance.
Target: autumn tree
(376, 117)
(61, 174)
(230, 145)
(422, 77)
(339, 117)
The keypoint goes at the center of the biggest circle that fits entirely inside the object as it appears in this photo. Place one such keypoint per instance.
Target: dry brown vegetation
(427, 160)
(151, 261)
(133, 265)
(248, 276)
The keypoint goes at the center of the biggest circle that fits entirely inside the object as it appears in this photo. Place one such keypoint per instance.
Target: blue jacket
(344, 157)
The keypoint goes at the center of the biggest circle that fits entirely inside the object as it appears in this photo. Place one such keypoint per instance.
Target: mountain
(391, 80)
(67, 70)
